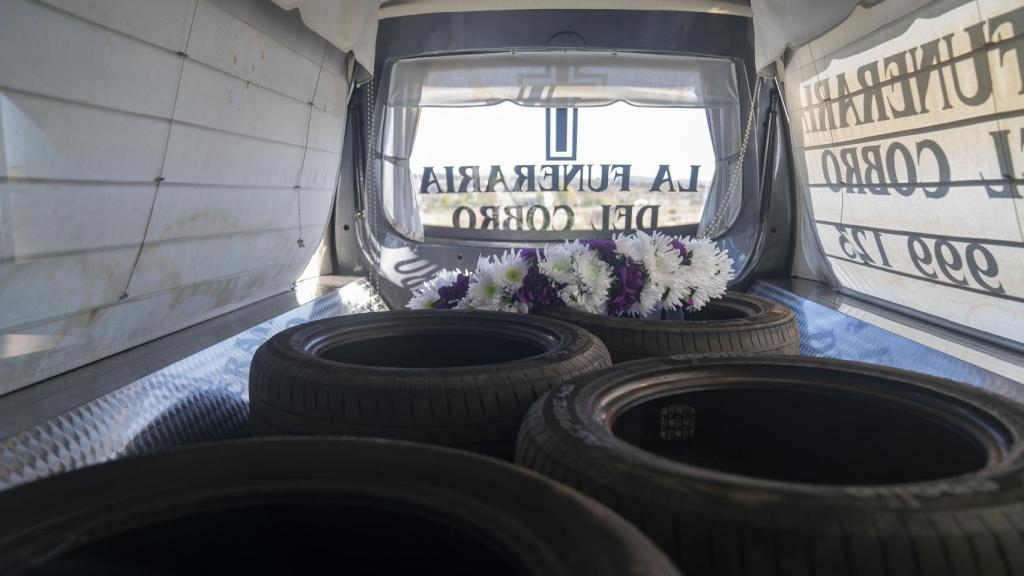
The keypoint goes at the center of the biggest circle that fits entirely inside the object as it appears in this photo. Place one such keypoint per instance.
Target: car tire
(796, 466)
(734, 324)
(455, 378)
(314, 506)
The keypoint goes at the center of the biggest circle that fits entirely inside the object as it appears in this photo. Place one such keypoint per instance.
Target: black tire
(734, 324)
(454, 378)
(793, 466)
(314, 506)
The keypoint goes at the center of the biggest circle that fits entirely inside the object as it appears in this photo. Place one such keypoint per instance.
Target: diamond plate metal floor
(838, 327)
(203, 397)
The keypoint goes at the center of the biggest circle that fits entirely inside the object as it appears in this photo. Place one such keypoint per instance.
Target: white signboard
(910, 143)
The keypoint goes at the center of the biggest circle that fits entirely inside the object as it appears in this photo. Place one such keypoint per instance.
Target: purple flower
(529, 254)
(605, 248)
(537, 292)
(626, 288)
(682, 250)
(450, 296)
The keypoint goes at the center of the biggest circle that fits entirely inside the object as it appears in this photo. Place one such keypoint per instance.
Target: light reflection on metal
(12, 345)
(201, 398)
(830, 333)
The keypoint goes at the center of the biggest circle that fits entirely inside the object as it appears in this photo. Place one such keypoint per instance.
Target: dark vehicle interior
(567, 287)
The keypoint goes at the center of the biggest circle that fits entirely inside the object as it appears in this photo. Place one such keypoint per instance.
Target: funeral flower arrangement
(632, 275)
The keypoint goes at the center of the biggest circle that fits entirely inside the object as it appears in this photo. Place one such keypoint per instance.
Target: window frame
(444, 236)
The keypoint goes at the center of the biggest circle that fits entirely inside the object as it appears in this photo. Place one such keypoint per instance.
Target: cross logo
(561, 124)
(561, 133)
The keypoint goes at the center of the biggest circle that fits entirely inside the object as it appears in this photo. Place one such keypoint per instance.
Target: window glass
(908, 135)
(553, 145)
(548, 170)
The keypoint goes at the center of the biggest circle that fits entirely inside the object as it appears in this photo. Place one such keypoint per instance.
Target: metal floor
(837, 326)
(204, 396)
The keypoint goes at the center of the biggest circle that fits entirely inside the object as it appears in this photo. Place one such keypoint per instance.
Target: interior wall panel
(164, 23)
(60, 342)
(160, 161)
(60, 285)
(84, 63)
(224, 42)
(325, 130)
(35, 206)
(222, 256)
(265, 17)
(211, 98)
(319, 169)
(315, 206)
(191, 211)
(58, 140)
(197, 155)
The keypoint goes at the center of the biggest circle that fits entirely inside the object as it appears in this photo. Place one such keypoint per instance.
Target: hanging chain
(737, 173)
(371, 191)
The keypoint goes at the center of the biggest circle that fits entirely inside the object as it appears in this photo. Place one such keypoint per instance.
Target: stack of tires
(466, 379)
(705, 449)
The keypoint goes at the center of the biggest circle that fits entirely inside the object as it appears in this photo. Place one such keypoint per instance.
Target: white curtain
(564, 78)
(350, 25)
(724, 125)
(398, 8)
(401, 203)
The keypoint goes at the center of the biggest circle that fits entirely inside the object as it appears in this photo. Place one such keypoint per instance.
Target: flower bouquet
(628, 276)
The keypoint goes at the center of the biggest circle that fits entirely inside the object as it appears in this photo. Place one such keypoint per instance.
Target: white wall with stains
(159, 162)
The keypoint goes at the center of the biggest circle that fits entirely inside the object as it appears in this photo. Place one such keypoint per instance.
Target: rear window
(561, 169)
(552, 145)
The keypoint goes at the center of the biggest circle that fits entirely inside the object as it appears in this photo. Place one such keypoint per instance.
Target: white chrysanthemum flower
(517, 307)
(710, 271)
(495, 283)
(672, 274)
(631, 246)
(650, 246)
(665, 270)
(650, 297)
(484, 291)
(677, 295)
(557, 261)
(509, 270)
(587, 288)
(593, 272)
(426, 297)
(661, 263)
(665, 260)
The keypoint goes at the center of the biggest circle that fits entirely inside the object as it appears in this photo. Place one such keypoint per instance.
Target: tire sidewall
(758, 312)
(572, 414)
(291, 344)
(508, 505)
